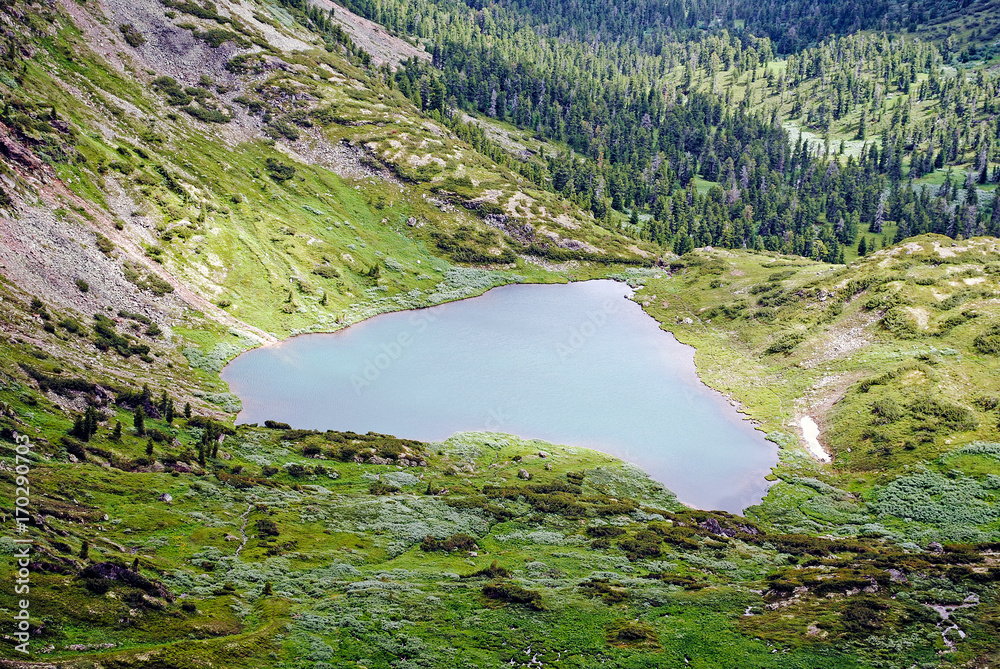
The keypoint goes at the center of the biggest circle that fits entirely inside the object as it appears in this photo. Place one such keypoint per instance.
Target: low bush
(248, 63)
(898, 322)
(61, 385)
(785, 344)
(611, 593)
(632, 632)
(278, 170)
(173, 91)
(207, 114)
(456, 542)
(494, 572)
(326, 271)
(886, 411)
(131, 35)
(645, 544)
(508, 592)
(989, 341)
(380, 488)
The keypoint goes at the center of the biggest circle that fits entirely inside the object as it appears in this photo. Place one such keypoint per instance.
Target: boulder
(165, 497)
(523, 474)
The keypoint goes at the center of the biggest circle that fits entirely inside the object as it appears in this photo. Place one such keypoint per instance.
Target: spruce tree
(187, 410)
(117, 434)
(79, 430)
(90, 422)
(139, 421)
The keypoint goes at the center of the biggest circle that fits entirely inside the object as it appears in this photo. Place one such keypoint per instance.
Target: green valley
(803, 192)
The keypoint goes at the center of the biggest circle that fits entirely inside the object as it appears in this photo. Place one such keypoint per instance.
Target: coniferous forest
(688, 119)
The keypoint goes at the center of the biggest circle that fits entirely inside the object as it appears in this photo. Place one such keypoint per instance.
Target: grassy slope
(882, 353)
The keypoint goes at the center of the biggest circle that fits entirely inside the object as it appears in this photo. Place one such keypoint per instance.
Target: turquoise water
(576, 364)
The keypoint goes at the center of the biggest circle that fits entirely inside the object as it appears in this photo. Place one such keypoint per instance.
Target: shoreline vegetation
(569, 507)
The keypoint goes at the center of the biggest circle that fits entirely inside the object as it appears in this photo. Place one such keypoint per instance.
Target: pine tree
(187, 410)
(149, 447)
(169, 412)
(862, 247)
(139, 421)
(85, 550)
(90, 422)
(79, 429)
(117, 434)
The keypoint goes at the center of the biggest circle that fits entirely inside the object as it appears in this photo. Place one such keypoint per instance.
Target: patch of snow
(810, 432)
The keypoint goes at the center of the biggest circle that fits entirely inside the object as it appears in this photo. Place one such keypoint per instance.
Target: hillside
(311, 547)
(183, 181)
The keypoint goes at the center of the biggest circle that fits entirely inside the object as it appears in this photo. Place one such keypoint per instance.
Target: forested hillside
(647, 124)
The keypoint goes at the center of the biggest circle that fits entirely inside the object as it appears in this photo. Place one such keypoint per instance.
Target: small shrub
(989, 341)
(278, 128)
(508, 592)
(380, 488)
(863, 614)
(785, 344)
(494, 572)
(131, 35)
(455, 542)
(250, 63)
(104, 245)
(632, 632)
(207, 115)
(267, 528)
(326, 271)
(82, 285)
(646, 544)
(886, 411)
(988, 402)
(168, 86)
(898, 322)
(278, 170)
